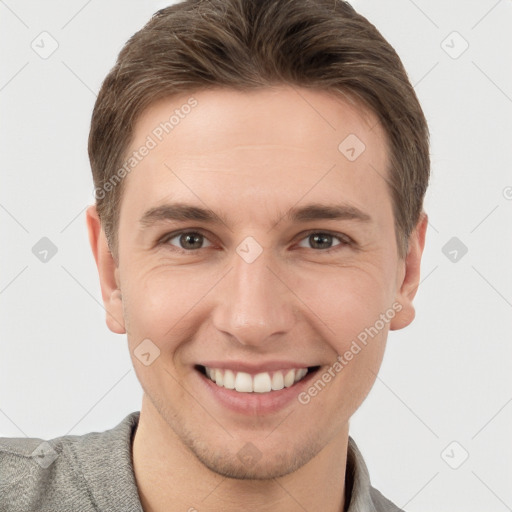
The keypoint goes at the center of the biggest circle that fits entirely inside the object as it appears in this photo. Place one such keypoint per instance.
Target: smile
(263, 382)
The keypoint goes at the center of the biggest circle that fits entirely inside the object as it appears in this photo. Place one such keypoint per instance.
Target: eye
(186, 240)
(324, 240)
(189, 241)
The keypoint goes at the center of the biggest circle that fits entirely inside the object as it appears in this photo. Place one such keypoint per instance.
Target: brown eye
(187, 240)
(323, 241)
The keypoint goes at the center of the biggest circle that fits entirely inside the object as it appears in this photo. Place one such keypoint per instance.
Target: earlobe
(108, 272)
(408, 285)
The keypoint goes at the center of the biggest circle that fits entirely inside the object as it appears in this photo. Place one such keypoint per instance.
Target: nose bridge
(254, 303)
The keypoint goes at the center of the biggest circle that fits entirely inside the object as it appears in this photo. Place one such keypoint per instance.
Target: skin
(250, 157)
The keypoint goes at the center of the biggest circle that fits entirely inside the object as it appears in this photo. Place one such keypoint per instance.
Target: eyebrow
(314, 211)
(179, 212)
(322, 212)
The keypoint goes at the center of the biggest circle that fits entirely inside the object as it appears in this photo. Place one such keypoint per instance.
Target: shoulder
(60, 474)
(34, 472)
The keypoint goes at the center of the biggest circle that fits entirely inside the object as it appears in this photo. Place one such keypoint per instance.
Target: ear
(108, 272)
(409, 278)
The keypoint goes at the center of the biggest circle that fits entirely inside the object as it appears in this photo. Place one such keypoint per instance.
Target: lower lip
(256, 404)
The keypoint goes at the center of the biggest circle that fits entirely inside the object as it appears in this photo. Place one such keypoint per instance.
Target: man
(260, 168)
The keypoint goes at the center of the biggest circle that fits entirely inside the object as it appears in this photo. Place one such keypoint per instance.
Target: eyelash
(344, 240)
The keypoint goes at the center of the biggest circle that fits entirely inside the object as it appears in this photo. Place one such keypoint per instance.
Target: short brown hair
(251, 44)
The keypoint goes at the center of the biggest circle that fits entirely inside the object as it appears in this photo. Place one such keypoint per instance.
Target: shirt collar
(357, 482)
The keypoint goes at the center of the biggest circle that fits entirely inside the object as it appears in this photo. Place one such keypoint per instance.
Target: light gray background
(445, 378)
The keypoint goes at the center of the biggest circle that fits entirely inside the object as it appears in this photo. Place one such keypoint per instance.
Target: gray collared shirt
(94, 472)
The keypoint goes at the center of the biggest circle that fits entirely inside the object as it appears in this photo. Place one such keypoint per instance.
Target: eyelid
(344, 239)
(169, 236)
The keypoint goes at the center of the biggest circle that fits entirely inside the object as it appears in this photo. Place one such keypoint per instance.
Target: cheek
(351, 304)
(159, 307)
(355, 307)
(347, 300)
(160, 302)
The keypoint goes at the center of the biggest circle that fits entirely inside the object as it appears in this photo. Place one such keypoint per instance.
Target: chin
(251, 464)
(244, 455)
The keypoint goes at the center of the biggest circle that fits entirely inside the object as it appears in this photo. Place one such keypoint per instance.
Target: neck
(170, 478)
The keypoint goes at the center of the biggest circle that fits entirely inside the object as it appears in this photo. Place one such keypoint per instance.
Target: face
(257, 249)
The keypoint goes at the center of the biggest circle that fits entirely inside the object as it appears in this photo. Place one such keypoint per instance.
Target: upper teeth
(259, 383)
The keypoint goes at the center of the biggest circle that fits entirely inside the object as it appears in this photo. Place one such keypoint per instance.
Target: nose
(254, 302)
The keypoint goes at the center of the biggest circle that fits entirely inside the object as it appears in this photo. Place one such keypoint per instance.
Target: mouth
(262, 382)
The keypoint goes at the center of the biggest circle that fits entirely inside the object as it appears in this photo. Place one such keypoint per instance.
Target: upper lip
(252, 368)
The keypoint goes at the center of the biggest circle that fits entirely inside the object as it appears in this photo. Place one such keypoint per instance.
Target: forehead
(272, 146)
(277, 115)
